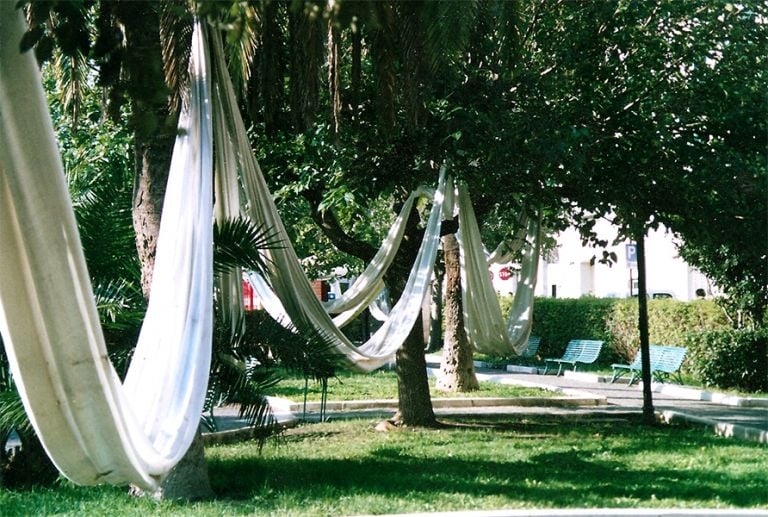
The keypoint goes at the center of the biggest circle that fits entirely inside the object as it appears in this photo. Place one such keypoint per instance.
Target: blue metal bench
(532, 348)
(583, 351)
(665, 363)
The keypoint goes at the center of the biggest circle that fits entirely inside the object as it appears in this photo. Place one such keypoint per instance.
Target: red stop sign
(505, 273)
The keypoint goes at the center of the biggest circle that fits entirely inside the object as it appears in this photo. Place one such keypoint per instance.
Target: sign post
(631, 251)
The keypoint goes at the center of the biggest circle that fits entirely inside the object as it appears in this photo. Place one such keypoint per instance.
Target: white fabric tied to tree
(287, 279)
(94, 428)
(483, 320)
(370, 283)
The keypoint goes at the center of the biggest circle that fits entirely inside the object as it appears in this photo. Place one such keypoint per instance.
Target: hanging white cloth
(286, 277)
(483, 320)
(94, 428)
(370, 283)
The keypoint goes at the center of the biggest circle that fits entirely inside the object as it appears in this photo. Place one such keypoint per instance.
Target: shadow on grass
(558, 473)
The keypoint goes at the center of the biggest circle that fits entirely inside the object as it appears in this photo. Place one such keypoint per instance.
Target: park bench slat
(585, 351)
(532, 348)
(665, 362)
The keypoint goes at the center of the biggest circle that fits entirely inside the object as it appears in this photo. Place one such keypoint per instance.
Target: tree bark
(153, 131)
(188, 480)
(642, 298)
(457, 371)
(152, 161)
(414, 401)
(415, 404)
(154, 135)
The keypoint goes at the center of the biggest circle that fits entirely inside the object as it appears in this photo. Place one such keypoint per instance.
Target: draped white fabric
(483, 320)
(286, 277)
(93, 428)
(370, 283)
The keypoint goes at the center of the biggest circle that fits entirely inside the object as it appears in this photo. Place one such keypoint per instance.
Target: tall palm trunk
(457, 371)
(153, 135)
(154, 138)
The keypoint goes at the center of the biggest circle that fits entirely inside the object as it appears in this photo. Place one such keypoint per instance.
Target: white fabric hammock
(287, 279)
(94, 428)
(483, 320)
(370, 283)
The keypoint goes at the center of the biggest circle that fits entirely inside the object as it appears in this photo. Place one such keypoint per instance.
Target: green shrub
(615, 321)
(730, 358)
(558, 320)
(669, 321)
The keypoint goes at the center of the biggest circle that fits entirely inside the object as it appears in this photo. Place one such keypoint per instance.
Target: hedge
(730, 358)
(558, 320)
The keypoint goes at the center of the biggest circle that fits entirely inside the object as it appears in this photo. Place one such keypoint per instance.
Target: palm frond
(447, 27)
(119, 303)
(175, 37)
(12, 413)
(71, 82)
(243, 26)
(240, 243)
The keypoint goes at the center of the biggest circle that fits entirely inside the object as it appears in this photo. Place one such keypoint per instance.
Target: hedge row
(730, 358)
(615, 321)
(717, 354)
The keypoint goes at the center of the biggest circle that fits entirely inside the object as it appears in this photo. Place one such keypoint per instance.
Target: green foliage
(730, 358)
(669, 322)
(239, 243)
(557, 320)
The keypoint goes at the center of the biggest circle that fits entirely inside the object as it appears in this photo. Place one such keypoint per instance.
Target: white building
(570, 274)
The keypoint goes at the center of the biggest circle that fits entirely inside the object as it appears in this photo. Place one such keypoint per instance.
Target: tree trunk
(415, 404)
(642, 298)
(154, 135)
(151, 175)
(435, 339)
(154, 132)
(457, 371)
(414, 401)
(188, 480)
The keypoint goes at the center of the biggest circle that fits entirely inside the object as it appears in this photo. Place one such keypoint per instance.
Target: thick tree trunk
(151, 174)
(415, 404)
(154, 138)
(185, 481)
(154, 132)
(457, 372)
(435, 339)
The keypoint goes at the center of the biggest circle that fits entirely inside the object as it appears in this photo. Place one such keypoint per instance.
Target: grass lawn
(382, 384)
(345, 468)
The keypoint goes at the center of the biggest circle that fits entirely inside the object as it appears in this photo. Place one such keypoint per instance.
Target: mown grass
(345, 468)
(382, 384)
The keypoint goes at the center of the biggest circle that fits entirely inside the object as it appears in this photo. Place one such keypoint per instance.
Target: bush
(669, 321)
(730, 358)
(558, 320)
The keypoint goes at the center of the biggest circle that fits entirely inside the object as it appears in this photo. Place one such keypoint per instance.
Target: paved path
(746, 418)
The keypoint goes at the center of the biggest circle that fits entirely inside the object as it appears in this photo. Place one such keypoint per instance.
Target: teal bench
(665, 363)
(532, 348)
(583, 351)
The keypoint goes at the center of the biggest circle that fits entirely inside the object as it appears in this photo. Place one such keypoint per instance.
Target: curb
(708, 396)
(597, 512)
(724, 429)
(464, 402)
